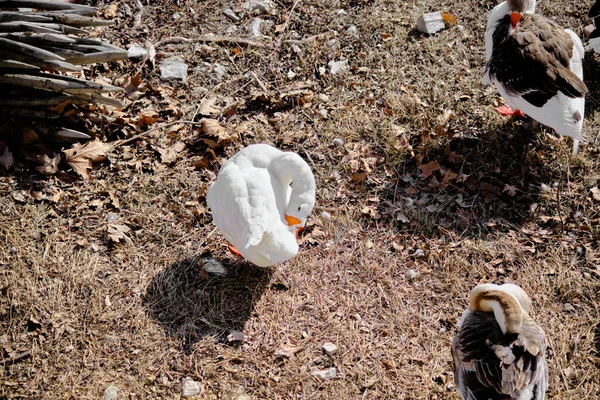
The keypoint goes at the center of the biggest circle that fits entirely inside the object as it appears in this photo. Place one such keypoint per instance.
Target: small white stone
(568, 307)
(336, 67)
(352, 32)
(228, 12)
(176, 16)
(259, 6)
(254, 27)
(545, 187)
(220, 70)
(326, 215)
(173, 68)
(325, 373)
(412, 273)
(189, 387)
(111, 393)
(419, 253)
(136, 51)
(430, 23)
(329, 348)
(13, 249)
(338, 141)
(291, 74)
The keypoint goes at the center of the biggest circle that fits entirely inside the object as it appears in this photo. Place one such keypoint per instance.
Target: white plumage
(254, 206)
(561, 112)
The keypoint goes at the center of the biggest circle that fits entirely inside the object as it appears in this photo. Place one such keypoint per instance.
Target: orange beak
(292, 220)
(515, 17)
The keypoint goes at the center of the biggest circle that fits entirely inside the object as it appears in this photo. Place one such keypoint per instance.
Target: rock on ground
(173, 68)
(189, 387)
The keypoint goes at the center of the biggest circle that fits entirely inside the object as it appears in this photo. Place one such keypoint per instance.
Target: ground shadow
(591, 71)
(192, 303)
(499, 175)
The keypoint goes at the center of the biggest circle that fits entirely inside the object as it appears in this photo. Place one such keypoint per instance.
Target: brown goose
(536, 66)
(499, 351)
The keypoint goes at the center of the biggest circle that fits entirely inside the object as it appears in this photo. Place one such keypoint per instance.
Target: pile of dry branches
(40, 51)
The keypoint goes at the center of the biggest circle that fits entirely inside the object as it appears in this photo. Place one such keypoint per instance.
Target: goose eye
(299, 208)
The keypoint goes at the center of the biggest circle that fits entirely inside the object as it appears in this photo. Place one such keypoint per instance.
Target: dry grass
(144, 315)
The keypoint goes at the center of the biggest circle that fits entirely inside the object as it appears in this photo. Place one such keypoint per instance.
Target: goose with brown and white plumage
(499, 351)
(537, 67)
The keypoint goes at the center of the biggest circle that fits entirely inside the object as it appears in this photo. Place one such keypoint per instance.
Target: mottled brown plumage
(499, 351)
(533, 60)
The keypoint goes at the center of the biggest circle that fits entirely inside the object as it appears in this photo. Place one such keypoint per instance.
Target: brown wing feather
(533, 60)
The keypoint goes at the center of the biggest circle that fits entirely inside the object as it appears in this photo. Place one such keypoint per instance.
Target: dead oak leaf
(212, 127)
(288, 351)
(510, 189)
(6, 158)
(169, 155)
(428, 169)
(118, 232)
(80, 158)
(207, 107)
(48, 165)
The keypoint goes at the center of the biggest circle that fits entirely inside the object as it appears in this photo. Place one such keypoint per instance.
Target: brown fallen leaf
(169, 155)
(510, 189)
(117, 232)
(48, 165)
(212, 127)
(80, 158)
(428, 169)
(359, 177)
(6, 158)
(133, 84)
(449, 19)
(288, 351)
(207, 107)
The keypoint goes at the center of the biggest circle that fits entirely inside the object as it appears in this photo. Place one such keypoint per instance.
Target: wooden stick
(45, 5)
(80, 20)
(8, 16)
(56, 83)
(100, 57)
(17, 65)
(56, 65)
(29, 50)
(20, 26)
(39, 38)
(211, 39)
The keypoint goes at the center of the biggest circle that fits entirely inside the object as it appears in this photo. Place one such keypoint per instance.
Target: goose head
(508, 302)
(299, 206)
(516, 9)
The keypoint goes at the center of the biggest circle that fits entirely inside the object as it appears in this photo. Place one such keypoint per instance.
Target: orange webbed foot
(508, 111)
(235, 251)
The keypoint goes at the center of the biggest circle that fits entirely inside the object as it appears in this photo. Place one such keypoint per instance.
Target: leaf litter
(423, 180)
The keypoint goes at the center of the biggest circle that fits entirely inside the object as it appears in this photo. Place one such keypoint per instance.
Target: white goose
(536, 66)
(499, 351)
(254, 206)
